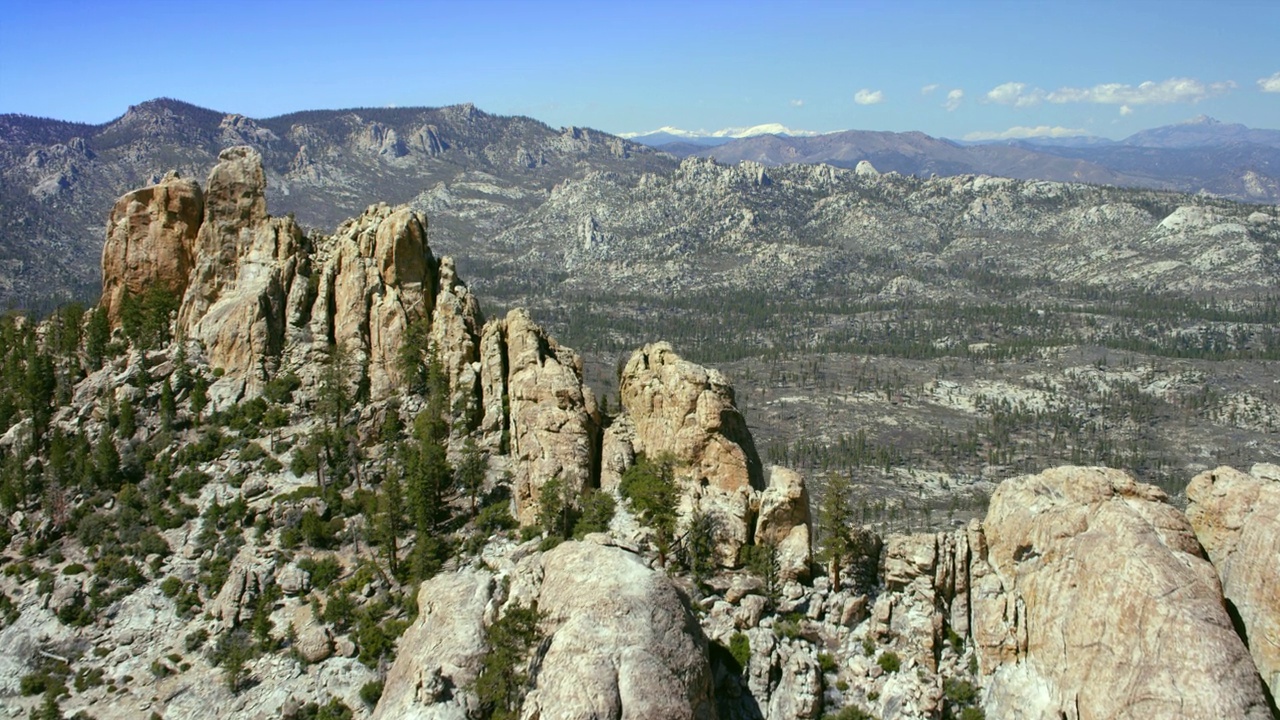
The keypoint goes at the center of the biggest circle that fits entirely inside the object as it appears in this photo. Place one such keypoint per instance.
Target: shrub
(740, 649)
(650, 489)
(171, 586)
(371, 692)
(960, 692)
(323, 571)
(73, 569)
(597, 512)
(889, 661)
(503, 682)
(827, 663)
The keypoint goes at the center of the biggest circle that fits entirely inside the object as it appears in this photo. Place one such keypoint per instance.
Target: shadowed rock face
(1236, 517)
(1095, 602)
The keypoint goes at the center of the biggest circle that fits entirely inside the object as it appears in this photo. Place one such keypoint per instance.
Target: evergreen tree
(835, 521)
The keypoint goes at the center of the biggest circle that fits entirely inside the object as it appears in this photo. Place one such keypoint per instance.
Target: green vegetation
(889, 661)
(740, 649)
(503, 679)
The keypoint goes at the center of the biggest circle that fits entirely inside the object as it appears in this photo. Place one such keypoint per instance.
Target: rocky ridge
(1004, 614)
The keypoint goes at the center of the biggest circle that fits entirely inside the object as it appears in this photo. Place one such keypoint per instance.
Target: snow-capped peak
(730, 132)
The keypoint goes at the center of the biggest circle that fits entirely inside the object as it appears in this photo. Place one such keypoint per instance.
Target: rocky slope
(302, 473)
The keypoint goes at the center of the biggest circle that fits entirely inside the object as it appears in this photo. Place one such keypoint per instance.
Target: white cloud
(1270, 84)
(954, 98)
(1016, 94)
(868, 97)
(1125, 111)
(1165, 92)
(797, 103)
(1019, 132)
(929, 88)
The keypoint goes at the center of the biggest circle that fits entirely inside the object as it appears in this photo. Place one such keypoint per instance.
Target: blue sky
(952, 69)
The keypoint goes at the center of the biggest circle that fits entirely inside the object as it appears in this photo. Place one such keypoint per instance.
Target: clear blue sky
(634, 66)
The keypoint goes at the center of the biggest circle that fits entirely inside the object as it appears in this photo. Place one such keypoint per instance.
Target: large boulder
(439, 657)
(151, 237)
(554, 420)
(1236, 517)
(1098, 604)
(621, 641)
(687, 411)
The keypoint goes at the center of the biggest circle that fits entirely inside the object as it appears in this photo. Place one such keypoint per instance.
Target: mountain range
(482, 176)
(1201, 155)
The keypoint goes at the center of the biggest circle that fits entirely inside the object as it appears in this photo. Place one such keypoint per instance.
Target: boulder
(313, 641)
(151, 235)
(247, 579)
(621, 642)
(1236, 517)
(439, 656)
(1067, 626)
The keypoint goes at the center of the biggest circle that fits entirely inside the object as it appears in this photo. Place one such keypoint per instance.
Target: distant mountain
(58, 179)
(477, 175)
(667, 135)
(914, 153)
(1200, 156)
(1200, 132)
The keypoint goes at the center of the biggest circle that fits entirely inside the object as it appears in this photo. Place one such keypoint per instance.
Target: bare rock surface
(1079, 630)
(554, 419)
(440, 654)
(150, 241)
(681, 410)
(785, 522)
(621, 641)
(1236, 517)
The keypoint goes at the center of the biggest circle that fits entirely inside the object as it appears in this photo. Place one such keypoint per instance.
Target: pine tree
(835, 521)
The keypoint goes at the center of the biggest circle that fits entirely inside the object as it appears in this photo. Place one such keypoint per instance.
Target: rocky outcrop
(258, 295)
(379, 280)
(1066, 626)
(621, 643)
(439, 655)
(684, 411)
(554, 420)
(151, 236)
(248, 578)
(455, 340)
(1236, 517)
(785, 523)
